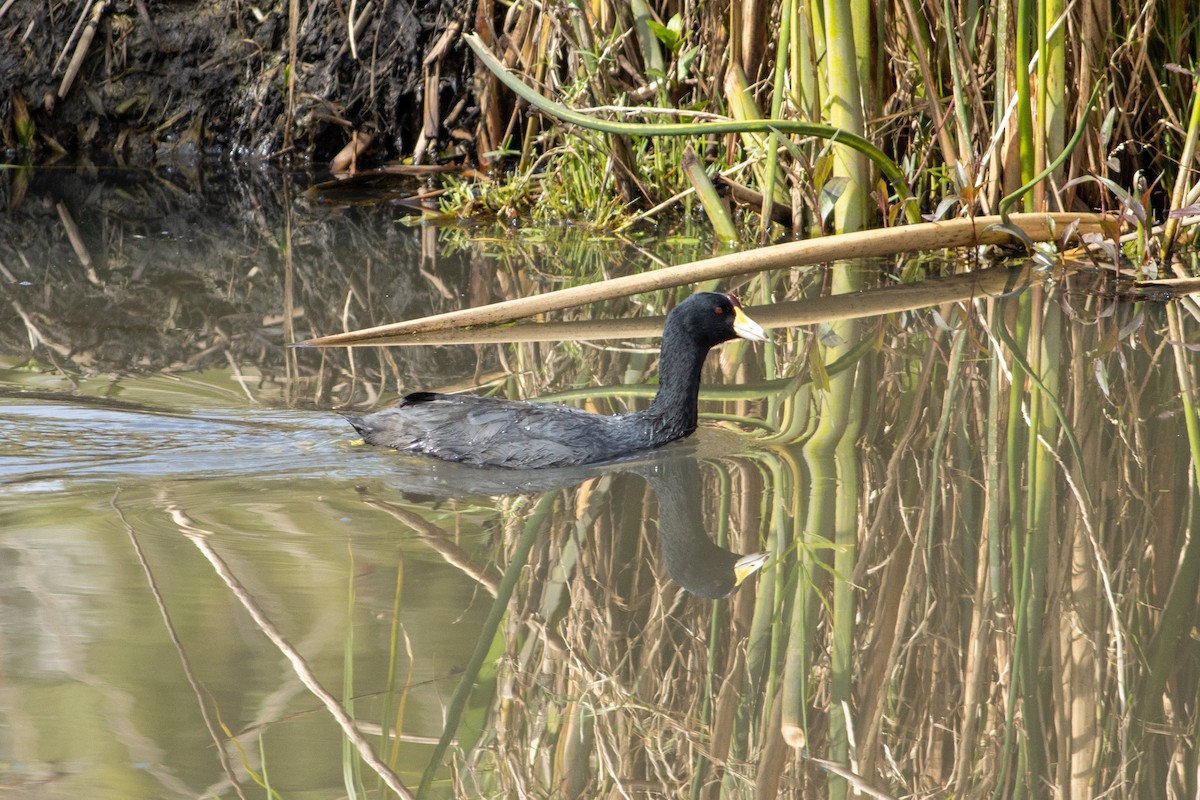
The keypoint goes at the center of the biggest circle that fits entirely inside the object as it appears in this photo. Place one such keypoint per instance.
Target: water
(202, 572)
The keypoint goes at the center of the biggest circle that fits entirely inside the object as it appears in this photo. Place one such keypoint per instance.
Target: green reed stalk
(845, 557)
(860, 16)
(764, 642)
(1002, 23)
(772, 168)
(1025, 141)
(1045, 347)
(1039, 99)
(812, 62)
(1007, 201)
(804, 605)
(835, 481)
(961, 107)
(743, 107)
(846, 113)
(799, 63)
(1180, 192)
(1015, 453)
(648, 44)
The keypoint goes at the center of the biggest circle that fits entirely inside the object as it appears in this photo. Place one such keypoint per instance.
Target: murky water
(207, 585)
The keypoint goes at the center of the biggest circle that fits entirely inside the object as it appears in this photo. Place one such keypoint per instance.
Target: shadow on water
(981, 518)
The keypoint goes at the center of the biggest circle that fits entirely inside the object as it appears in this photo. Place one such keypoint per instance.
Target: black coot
(520, 435)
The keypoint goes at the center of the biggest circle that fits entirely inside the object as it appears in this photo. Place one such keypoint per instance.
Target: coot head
(709, 318)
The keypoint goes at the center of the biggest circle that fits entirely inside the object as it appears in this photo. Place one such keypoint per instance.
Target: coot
(484, 431)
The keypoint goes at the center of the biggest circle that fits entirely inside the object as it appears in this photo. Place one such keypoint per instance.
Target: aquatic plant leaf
(828, 336)
(670, 34)
(1106, 127)
(948, 202)
(1016, 231)
(1101, 373)
(830, 192)
(1134, 325)
(684, 68)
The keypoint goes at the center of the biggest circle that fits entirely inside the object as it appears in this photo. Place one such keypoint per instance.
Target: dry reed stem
(861, 244)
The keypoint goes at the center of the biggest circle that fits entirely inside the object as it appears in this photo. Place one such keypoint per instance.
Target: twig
(4, 8)
(77, 243)
(81, 51)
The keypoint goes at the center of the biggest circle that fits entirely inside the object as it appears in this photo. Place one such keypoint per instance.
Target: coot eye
(718, 311)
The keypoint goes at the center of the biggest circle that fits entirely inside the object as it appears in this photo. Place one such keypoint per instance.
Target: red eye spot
(718, 311)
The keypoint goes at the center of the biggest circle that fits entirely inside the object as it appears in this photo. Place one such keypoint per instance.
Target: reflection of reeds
(944, 604)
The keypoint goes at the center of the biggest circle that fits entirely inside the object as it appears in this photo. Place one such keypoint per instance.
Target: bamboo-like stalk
(807, 57)
(797, 661)
(1015, 457)
(1054, 56)
(786, 14)
(845, 556)
(1002, 21)
(1044, 362)
(846, 113)
(829, 453)
(1025, 143)
(1189, 157)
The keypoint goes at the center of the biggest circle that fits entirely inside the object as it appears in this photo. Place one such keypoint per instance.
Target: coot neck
(679, 365)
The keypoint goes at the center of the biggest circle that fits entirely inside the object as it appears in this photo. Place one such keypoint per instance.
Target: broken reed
(973, 100)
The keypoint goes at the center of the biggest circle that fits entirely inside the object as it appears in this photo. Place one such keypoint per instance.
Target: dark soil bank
(143, 79)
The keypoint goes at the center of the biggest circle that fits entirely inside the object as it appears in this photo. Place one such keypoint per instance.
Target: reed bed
(975, 103)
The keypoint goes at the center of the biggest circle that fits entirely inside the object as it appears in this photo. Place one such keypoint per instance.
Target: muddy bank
(149, 80)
